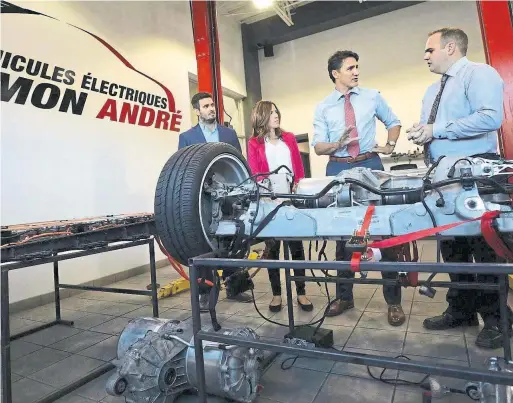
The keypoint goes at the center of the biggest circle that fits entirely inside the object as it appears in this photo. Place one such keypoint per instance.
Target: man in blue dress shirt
(345, 129)
(460, 116)
(209, 131)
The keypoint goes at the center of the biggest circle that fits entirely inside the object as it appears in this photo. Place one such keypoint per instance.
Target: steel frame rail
(460, 372)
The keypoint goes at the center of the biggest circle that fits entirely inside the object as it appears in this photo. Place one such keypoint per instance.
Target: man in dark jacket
(209, 131)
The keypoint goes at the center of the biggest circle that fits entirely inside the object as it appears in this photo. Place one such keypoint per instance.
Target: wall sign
(65, 90)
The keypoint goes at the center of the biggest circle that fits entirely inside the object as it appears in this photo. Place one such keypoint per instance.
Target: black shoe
(447, 321)
(307, 307)
(275, 305)
(490, 337)
(242, 297)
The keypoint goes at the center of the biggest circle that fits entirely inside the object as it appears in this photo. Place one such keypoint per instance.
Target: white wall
(59, 165)
(391, 50)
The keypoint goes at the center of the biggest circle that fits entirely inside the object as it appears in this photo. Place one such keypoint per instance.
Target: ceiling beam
(317, 17)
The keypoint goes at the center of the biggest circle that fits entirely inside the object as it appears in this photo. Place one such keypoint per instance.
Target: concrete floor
(52, 358)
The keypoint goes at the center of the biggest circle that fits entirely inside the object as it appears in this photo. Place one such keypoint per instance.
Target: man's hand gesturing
(345, 140)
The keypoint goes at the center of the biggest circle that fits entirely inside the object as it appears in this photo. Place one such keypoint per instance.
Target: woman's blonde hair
(260, 119)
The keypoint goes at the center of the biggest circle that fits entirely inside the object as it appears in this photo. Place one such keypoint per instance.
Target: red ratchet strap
(492, 238)
(487, 230)
(357, 256)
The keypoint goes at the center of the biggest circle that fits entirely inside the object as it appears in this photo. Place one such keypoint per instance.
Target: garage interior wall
(59, 165)
(391, 49)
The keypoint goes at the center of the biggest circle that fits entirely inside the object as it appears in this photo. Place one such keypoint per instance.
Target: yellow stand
(174, 287)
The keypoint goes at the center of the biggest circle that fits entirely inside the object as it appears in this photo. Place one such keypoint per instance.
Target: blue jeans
(392, 293)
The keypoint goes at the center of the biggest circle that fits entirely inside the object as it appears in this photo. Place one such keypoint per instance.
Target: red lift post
(496, 22)
(206, 43)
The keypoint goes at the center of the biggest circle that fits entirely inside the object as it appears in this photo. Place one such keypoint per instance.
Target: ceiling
(246, 12)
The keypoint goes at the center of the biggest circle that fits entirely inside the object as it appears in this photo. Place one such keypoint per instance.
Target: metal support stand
(196, 327)
(288, 286)
(503, 303)
(5, 337)
(453, 371)
(57, 291)
(153, 276)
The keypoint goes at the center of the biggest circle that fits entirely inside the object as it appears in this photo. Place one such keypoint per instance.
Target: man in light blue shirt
(210, 132)
(460, 116)
(345, 129)
(332, 136)
(470, 107)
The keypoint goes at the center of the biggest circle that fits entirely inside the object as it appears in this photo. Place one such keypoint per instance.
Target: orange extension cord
(175, 265)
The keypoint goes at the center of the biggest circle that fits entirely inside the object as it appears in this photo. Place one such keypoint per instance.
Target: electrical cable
(379, 192)
(274, 171)
(320, 320)
(430, 169)
(450, 174)
(396, 381)
(226, 113)
(323, 317)
(431, 215)
(262, 316)
(45, 234)
(294, 359)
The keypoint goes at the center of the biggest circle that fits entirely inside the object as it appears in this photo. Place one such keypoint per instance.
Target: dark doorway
(304, 149)
(305, 157)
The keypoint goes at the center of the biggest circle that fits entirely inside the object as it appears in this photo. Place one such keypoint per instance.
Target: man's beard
(208, 121)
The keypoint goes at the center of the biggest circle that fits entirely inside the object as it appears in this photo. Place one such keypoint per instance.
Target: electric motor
(156, 363)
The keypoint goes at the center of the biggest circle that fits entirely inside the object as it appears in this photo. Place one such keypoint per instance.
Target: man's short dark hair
(337, 59)
(453, 34)
(198, 97)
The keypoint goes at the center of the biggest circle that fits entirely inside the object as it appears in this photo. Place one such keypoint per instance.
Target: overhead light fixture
(261, 4)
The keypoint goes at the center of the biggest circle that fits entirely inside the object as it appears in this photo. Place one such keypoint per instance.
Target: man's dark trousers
(463, 304)
(344, 291)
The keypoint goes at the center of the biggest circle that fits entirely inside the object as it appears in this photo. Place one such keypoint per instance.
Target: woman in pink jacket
(269, 148)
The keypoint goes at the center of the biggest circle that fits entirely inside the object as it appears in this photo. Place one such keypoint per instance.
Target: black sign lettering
(130, 94)
(21, 87)
(77, 103)
(48, 95)
(17, 63)
(104, 87)
(70, 77)
(57, 74)
(44, 72)
(33, 68)
(38, 96)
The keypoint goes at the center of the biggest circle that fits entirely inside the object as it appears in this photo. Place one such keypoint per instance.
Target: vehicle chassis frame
(209, 261)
